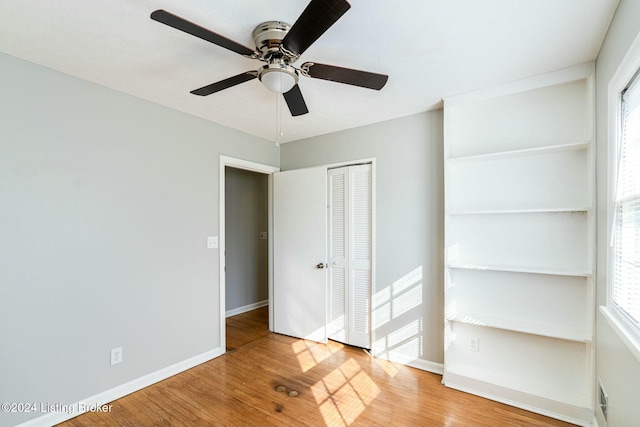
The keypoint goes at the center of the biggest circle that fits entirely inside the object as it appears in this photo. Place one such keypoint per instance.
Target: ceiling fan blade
(190, 28)
(345, 75)
(312, 23)
(225, 84)
(295, 101)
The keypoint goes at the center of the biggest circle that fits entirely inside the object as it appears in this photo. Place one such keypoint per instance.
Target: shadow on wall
(398, 321)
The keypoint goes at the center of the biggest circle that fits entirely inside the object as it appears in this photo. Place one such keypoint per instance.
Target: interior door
(300, 251)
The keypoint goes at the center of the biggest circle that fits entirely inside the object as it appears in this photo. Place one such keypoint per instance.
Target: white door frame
(254, 167)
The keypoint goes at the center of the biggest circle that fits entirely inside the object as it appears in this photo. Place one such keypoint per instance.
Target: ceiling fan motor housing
(268, 37)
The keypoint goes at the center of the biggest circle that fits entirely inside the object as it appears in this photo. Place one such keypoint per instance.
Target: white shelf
(521, 269)
(530, 242)
(550, 179)
(521, 211)
(549, 149)
(496, 322)
(519, 245)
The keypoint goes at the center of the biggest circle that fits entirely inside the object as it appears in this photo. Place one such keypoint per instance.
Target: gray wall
(247, 257)
(409, 224)
(106, 201)
(618, 369)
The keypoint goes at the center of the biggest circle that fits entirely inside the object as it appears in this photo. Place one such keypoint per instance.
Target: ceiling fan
(279, 45)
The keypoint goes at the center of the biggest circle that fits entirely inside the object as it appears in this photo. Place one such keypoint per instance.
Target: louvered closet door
(350, 248)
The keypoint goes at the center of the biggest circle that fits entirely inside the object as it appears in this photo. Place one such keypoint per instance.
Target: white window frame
(628, 68)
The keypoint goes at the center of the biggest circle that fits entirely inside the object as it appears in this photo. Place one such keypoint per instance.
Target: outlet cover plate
(116, 356)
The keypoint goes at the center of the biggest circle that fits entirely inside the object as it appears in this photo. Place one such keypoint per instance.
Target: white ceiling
(429, 48)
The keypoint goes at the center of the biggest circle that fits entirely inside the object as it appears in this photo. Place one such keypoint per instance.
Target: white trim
(622, 328)
(551, 408)
(371, 160)
(253, 167)
(122, 390)
(373, 248)
(623, 75)
(411, 361)
(523, 152)
(426, 365)
(403, 359)
(246, 308)
(543, 80)
(354, 162)
(247, 165)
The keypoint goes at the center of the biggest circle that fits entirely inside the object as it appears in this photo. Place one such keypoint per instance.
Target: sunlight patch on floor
(389, 367)
(344, 394)
(310, 354)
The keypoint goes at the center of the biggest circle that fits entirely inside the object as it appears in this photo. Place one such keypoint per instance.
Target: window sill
(627, 335)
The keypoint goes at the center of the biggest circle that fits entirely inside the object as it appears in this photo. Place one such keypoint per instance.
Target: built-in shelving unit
(519, 237)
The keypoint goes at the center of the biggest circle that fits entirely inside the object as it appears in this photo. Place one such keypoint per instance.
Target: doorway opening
(245, 251)
(246, 255)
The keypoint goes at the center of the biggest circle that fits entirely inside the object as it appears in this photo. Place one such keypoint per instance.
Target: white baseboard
(101, 399)
(246, 308)
(425, 365)
(540, 405)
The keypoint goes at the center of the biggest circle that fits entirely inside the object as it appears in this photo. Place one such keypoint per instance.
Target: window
(625, 279)
(622, 310)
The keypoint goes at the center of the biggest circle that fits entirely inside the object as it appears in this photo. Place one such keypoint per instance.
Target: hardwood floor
(337, 385)
(247, 327)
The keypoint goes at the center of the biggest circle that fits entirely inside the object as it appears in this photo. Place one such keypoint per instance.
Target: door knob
(321, 265)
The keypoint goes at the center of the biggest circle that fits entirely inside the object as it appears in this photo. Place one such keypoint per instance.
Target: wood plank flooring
(337, 385)
(247, 327)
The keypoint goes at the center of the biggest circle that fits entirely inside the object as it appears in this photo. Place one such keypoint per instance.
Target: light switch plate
(212, 242)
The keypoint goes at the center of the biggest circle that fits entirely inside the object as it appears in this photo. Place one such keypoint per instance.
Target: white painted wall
(408, 299)
(105, 204)
(616, 366)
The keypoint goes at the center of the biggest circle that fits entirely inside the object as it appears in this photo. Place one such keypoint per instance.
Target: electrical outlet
(263, 235)
(474, 344)
(116, 356)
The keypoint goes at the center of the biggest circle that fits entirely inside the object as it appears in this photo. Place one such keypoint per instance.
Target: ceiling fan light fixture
(279, 45)
(278, 78)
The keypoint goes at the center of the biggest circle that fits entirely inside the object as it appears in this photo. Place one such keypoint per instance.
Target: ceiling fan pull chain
(279, 132)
